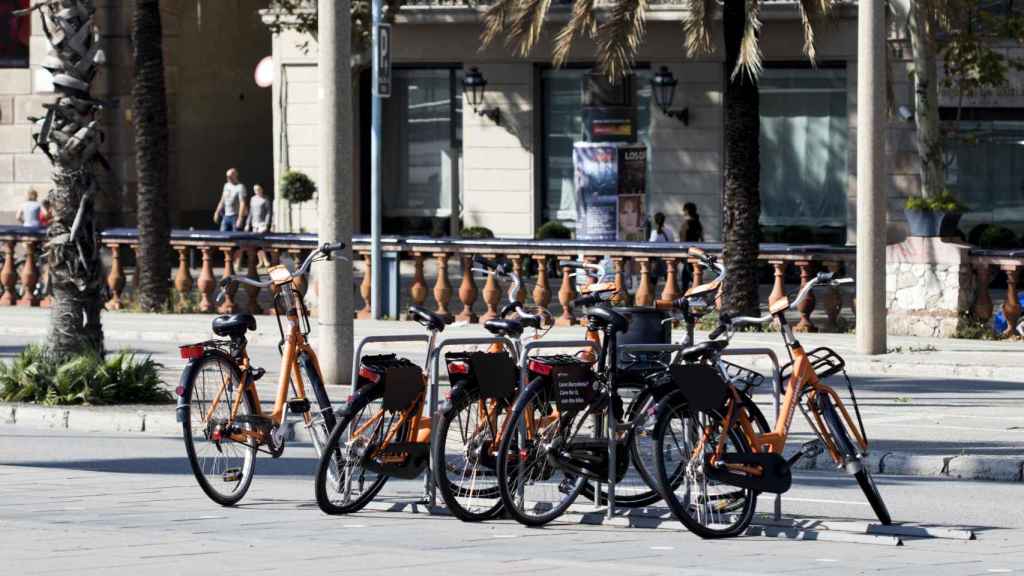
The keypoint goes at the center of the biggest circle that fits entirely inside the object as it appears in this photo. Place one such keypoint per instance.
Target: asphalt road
(127, 504)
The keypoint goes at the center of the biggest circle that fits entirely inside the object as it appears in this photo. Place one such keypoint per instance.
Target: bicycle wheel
(639, 487)
(344, 484)
(465, 469)
(844, 443)
(708, 508)
(222, 462)
(533, 490)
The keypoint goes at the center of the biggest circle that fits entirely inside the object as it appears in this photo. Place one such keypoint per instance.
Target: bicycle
(382, 431)
(223, 423)
(712, 464)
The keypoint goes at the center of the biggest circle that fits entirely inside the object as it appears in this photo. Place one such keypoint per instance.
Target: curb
(162, 420)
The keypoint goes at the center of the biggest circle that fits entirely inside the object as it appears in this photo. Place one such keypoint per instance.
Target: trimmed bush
(554, 230)
(86, 379)
(998, 238)
(296, 187)
(476, 233)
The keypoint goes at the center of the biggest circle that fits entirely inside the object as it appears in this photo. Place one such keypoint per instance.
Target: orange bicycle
(222, 421)
(712, 463)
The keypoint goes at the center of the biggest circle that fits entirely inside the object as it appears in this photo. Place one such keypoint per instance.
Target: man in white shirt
(231, 209)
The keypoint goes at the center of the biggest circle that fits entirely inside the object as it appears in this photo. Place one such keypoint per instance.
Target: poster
(14, 34)
(610, 186)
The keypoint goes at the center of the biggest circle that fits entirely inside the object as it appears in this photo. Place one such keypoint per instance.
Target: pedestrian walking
(692, 230)
(31, 210)
(261, 215)
(231, 210)
(659, 233)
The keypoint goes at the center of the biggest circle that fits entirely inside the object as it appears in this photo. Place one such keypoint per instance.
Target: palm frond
(495, 19)
(697, 27)
(811, 12)
(581, 22)
(527, 24)
(749, 60)
(620, 37)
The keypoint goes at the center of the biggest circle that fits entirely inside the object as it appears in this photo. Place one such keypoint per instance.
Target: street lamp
(663, 84)
(474, 85)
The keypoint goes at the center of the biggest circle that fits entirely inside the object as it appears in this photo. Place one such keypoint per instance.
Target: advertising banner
(610, 186)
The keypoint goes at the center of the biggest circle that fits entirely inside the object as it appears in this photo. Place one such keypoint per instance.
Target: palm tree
(619, 35)
(150, 123)
(70, 136)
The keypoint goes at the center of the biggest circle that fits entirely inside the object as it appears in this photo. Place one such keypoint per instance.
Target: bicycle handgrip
(327, 248)
(573, 264)
(588, 300)
(717, 332)
(677, 304)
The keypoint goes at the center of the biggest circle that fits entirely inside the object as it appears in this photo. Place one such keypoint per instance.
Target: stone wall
(928, 282)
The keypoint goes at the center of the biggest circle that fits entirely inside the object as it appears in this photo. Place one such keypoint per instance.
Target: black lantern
(474, 85)
(663, 84)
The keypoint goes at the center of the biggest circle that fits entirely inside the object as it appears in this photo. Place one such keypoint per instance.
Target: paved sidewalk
(932, 407)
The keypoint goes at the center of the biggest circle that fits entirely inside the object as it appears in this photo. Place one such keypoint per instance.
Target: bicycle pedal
(232, 475)
(298, 405)
(257, 373)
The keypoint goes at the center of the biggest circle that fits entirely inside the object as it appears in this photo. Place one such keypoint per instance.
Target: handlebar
(327, 249)
(726, 322)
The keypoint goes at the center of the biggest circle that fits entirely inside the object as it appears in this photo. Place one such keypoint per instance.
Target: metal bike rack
(524, 375)
(776, 393)
(383, 339)
(434, 376)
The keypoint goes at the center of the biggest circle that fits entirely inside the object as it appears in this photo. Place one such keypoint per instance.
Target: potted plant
(936, 216)
(296, 188)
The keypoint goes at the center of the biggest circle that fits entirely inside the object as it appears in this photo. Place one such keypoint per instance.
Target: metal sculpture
(70, 136)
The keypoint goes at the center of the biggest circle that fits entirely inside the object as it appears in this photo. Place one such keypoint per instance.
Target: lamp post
(475, 85)
(663, 84)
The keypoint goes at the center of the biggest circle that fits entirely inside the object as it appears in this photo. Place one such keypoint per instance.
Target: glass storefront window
(562, 106)
(804, 146)
(985, 169)
(422, 123)
(14, 34)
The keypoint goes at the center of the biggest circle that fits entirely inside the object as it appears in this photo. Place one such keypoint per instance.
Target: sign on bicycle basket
(575, 388)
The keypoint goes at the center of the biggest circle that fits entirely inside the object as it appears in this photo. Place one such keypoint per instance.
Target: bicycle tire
(674, 405)
(463, 396)
(352, 415)
(509, 450)
(845, 445)
(194, 377)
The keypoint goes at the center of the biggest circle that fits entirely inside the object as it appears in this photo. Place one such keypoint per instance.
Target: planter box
(933, 224)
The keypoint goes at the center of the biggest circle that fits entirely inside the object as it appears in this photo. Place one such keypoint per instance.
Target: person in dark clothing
(691, 230)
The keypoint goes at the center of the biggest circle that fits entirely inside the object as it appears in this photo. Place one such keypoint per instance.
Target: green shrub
(942, 202)
(554, 230)
(296, 187)
(84, 379)
(997, 238)
(476, 233)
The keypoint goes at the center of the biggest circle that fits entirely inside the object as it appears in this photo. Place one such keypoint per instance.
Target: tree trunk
(922, 29)
(741, 201)
(150, 118)
(70, 136)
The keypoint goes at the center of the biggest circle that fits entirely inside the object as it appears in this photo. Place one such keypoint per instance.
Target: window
(562, 122)
(14, 34)
(985, 168)
(422, 124)
(804, 145)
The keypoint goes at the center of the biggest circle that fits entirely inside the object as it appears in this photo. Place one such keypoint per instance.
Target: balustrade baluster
(621, 297)
(492, 295)
(8, 276)
(566, 294)
(542, 290)
(183, 278)
(418, 290)
(518, 267)
(228, 306)
(983, 301)
(832, 300)
(366, 288)
(442, 287)
(206, 283)
(29, 276)
(644, 292)
(779, 283)
(300, 282)
(1011, 308)
(252, 262)
(698, 272)
(807, 306)
(467, 292)
(671, 289)
(115, 279)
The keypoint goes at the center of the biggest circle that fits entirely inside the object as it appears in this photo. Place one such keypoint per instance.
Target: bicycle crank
(761, 472)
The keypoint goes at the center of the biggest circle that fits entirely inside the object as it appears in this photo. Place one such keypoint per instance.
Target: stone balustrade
(988, 266)
(652, 271)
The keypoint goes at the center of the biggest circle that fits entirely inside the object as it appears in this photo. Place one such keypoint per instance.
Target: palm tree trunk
(741, 201)
(150, 117)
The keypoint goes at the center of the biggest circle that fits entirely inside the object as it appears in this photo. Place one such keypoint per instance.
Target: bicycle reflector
(368, 374)
(540, 368)
(458, 368)
(191, 352)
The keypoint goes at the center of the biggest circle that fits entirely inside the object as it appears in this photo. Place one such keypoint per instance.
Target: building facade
(218, 117)
(515, 174)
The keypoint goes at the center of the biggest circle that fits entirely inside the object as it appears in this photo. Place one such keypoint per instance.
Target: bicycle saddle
(234, 325)
(698, 351)
(603, 316)
(427, 318)
(503, 327)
